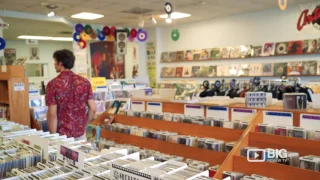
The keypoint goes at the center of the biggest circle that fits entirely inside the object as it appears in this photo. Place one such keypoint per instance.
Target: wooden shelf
(273, 170)
(302, 146)
(224, 134)
(205, 155)
(251, 57)
(4, 102)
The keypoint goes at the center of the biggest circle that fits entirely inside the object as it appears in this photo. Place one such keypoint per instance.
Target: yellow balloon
(84, 36)
(110, 38)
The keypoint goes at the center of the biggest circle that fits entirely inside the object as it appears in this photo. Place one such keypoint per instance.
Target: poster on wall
(34, 53)
(104, 62)
(9, 56)
(151, 63)
(308, 18)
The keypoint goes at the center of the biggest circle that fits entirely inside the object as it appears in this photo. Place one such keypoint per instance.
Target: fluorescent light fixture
(168, 20)
(86, 15)
(175, 15)
(46, 38)
(51, 14)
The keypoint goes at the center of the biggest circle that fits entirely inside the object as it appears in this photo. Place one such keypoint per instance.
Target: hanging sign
(309, 17)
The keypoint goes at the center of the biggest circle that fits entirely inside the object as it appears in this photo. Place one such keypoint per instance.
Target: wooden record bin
(250, 138)
(16, 99)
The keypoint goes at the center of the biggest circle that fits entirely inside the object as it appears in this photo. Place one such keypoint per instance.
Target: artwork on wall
(104, 62)
(9, 56)
(34, 53)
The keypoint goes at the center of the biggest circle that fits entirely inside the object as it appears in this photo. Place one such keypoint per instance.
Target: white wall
(46, 50)
(255, 28)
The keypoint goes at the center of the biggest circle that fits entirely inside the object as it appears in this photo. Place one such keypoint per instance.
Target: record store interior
(160, 89)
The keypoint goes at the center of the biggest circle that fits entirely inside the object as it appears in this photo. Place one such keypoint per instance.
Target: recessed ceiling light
(48, 38)
(86, 15)
(175, 15)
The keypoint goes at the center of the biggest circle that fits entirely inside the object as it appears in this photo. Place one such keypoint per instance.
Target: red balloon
(113, 30)
(82, 44)
(106, 30)
(133, 33)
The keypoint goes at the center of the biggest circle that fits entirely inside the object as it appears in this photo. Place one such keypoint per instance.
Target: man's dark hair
(66, 57)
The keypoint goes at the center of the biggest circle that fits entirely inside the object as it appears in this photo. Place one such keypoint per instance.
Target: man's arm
(52, 118)
(92, 110)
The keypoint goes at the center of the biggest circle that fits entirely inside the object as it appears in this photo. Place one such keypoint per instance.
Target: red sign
(306, 18)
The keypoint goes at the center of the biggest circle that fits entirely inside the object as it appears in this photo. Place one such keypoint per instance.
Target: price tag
(18, 86)
(154, 107)
(310, 121)
(138, 106)
(245, 115)
(193, 110)
(278, 118)
(218, 112)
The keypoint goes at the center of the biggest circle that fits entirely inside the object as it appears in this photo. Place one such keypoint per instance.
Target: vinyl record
(142, 35)
(133, 33)
(106, 30)
(78, 28)
(82, 44)
(175, 35)
(76, 37)
(130, 38)
(88, 29)
(2, 43)
(282, 48)
(101, 36)
(113, 30)
(168, 8)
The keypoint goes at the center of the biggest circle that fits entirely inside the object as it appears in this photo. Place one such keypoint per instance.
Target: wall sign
(309, 17)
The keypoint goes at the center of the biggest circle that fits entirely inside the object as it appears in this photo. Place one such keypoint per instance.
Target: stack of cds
(205, 143)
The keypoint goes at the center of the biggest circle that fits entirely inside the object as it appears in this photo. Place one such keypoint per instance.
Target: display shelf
(302, 146)
(16, 99)
(255, 57)
(187, 152)
(274, 170)
(217, 77)
(182, 128)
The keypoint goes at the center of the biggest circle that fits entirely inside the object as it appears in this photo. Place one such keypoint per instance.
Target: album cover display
(196, 55)
(311, 46)
(195, 71)
(309, 68)
(281, 48)
(179, 71)
(267, 69)
(295, 47)
(233, 70)
(268, 49)
(212, 71)
(172, 56)
(255, 69)
(168, 72)
(257, 51)
(204, 71)
(294, 68)
(243, 70)
(164, 56)
(223, 71)
(225, 52)
(184, 93)
(280, 69)
(180, 55)
(188, 55)
(215, 53)
(235, 52)
(205, 54)
(246, 51)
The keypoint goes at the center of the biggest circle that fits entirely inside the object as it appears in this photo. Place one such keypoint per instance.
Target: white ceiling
(114, 15)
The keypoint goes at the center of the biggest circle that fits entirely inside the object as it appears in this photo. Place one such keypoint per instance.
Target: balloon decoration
(175, 34)
(2, 43)
(85, 32)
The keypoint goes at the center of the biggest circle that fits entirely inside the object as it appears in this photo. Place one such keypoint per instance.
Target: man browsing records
(67, 97)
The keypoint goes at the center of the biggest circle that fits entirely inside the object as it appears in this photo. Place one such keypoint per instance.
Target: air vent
(137, 10)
